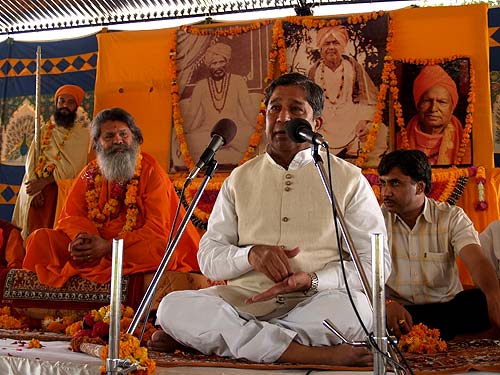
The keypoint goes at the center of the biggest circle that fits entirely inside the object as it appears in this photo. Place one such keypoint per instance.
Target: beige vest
(289, 208)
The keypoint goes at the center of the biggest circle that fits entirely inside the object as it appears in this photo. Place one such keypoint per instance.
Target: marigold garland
(7, 321)
(94, 185)
(94, 329)
(130, 349)
(42, 169)
(423, 340)
(448, 184)
(203, 209)
(471, 99)
(57, 324)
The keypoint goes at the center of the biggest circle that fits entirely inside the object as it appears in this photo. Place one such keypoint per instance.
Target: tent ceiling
(18, 16)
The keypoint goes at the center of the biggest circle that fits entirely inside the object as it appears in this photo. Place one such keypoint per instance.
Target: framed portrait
(219, 77)
(346, 60)
(434, 105)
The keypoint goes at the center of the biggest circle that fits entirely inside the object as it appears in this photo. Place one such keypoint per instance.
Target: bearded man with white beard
(124, 193)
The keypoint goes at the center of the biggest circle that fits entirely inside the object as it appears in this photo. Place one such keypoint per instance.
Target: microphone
(300, 131)
(222, 133)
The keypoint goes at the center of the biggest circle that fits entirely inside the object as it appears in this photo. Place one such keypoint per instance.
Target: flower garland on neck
(110, 209)
(42, 168)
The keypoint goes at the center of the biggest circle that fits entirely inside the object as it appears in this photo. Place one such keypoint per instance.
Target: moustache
(117, 148)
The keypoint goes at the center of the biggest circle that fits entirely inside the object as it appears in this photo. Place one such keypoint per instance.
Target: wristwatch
(314, 283)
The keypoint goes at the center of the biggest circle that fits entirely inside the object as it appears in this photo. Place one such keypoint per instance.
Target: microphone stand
(318, 162)
(148, 297)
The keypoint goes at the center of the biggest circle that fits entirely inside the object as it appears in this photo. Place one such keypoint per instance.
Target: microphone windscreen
(293, 128)
(226, 128)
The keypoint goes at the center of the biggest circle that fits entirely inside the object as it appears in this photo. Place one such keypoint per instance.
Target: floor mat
(482, 355)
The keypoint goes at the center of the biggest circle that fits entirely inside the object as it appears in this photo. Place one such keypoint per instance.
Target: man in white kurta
(63, 154)
(271, 235)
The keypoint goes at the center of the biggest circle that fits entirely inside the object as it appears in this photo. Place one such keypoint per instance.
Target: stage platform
(55, 358)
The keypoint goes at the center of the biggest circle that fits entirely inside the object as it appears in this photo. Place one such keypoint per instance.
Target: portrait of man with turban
(63, 153)
(350, 96)
(218, 93)
(434, 129)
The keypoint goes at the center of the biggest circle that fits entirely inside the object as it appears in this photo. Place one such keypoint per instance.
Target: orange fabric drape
(133, 73)
(437, 32)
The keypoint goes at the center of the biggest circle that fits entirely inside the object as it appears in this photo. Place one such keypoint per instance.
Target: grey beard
(118, 166)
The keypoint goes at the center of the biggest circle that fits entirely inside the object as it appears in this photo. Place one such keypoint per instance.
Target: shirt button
(285, 219)
(288, 175)
(287, 188)
(288, 182)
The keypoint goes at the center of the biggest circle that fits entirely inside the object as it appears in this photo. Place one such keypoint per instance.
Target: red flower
(88, 321)
(101, 330)
(82, 333)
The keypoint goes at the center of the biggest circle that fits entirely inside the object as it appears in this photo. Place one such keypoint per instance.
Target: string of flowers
(205, 205)
(318, 23)
(450, 177)
(94, 185)
(480, 174)
(94, 329)
(447, 184)
(42, 169)
(471, 99)
(377, 119)
(225, 31)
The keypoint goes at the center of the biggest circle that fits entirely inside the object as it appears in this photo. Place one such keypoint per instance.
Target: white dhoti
(204, 321)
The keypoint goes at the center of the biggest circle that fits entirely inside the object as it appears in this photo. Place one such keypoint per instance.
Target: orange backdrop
(134, 72)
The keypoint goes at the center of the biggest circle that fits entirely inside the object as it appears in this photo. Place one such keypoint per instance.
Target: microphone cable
(370, 335)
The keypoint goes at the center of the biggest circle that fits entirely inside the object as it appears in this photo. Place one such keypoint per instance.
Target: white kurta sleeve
(218, 256)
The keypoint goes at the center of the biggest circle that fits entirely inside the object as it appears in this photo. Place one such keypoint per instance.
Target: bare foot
(337, 355)
(161, 342)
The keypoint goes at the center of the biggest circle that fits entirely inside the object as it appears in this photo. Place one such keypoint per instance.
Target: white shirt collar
(300, 159)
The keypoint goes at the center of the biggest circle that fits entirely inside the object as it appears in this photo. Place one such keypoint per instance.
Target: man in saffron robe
(63, 153)
(434, 129)
(124, 193)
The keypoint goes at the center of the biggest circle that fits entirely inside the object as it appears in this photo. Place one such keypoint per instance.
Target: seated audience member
(11, 245)
(425, 237)
(490, 243)
(124, 193)
(272, 236)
